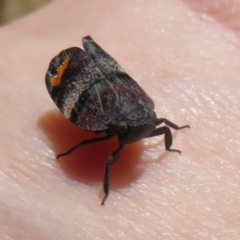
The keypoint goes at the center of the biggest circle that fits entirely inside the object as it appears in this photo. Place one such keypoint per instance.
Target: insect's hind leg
(170, 124)
(85, 142)
(111, 159)
(167, 137)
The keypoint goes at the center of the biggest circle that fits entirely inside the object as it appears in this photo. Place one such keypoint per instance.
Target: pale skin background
(186, 55)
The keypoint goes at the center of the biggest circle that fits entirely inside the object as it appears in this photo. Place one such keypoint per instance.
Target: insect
(96, 94)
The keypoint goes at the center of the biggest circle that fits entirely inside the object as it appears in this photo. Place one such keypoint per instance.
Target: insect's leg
(85, 142)
(167, 137)
(111, 159)
(170, 124)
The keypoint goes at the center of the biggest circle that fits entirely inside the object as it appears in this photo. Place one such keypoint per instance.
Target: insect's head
(133, 131)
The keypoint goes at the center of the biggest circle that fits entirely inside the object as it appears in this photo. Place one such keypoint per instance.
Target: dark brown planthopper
(95, 93)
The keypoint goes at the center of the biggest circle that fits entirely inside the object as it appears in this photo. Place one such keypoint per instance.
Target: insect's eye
(122, 127)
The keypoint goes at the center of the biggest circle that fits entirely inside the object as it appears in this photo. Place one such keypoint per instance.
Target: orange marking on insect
(119, 89)
(56, 80)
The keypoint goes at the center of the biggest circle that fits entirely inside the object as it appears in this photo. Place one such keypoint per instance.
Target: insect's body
(95, 93)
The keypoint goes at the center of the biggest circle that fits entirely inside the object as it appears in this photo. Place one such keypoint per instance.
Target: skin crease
(185, 55)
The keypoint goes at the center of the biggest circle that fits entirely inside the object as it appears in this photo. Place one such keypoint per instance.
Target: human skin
(185, 54)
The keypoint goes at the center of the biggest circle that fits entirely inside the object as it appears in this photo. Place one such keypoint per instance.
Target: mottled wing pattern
(91, 89)
(79, 89)
(112, 70)
(104, 61)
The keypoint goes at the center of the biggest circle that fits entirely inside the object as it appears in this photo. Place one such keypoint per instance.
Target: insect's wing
(114, 72)
(105, 62)
(78, 88)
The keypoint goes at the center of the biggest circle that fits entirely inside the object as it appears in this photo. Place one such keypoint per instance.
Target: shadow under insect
(87, 163)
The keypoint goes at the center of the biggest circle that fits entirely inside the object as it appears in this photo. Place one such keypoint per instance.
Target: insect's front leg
(167, 137)
(85, 142)
(111, 159)
(169, 124)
